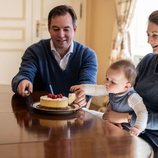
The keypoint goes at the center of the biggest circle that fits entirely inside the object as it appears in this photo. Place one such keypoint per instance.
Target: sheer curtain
(121, 44)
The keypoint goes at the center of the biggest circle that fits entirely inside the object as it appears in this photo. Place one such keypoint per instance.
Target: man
(60, 61)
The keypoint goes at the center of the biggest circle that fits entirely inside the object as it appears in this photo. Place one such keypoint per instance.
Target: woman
(147, 81)
(147, 85)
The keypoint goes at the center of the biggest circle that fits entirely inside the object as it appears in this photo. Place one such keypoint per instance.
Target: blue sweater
(119, 103)
(147, 87)
(40, 67)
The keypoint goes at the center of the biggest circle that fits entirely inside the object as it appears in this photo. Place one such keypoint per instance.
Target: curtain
(121, 44)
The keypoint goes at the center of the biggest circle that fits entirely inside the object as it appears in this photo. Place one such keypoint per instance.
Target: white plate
(37, 107)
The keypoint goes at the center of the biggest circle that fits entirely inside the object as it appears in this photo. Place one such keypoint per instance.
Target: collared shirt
(61, 61)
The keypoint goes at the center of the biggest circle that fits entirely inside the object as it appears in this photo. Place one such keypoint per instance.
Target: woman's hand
(135, 131)
(115, 117)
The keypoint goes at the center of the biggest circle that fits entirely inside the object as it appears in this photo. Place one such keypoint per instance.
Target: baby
(120, 79)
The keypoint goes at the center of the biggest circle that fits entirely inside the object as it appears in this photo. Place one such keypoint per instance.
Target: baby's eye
(113, 82)
(107, 79)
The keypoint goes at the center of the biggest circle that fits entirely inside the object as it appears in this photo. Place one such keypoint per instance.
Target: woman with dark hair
(147, 81)
(147, 84)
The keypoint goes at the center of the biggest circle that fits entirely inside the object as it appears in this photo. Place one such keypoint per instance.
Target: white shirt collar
(54, 50)
(62, 61)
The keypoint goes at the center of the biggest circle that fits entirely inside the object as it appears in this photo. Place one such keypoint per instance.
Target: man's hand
(24, 88)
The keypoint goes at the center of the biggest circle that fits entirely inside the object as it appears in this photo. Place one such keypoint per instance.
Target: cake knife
(51, 89)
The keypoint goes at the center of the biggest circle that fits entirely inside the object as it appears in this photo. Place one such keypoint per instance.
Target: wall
(99, 35)
(100, 22)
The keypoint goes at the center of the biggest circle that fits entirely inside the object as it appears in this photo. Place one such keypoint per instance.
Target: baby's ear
(128, 85)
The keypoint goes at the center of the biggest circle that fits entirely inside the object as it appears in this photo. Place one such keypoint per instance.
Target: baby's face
(116, 81)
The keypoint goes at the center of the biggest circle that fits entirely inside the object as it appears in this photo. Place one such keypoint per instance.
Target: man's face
(62, 32)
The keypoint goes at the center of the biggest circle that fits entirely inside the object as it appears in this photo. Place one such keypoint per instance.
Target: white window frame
(138, 27)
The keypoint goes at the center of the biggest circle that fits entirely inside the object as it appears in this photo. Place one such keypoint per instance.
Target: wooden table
(24, 133)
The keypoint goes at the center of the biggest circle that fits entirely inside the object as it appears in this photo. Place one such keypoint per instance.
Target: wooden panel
(8, 34)
(12, 9)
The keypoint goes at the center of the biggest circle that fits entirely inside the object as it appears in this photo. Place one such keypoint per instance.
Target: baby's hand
(135, 131)
(77, 87)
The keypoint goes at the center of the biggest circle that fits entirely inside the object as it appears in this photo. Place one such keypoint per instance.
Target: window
(139, 45)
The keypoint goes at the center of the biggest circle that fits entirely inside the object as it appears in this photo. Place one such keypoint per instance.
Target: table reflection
(36, 122)
(68, 136)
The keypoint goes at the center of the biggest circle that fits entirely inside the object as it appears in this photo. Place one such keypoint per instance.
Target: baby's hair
(127, 67)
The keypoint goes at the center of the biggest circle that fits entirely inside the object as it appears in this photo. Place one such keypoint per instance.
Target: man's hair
(153, 17)
(62, 10)
(127, 67)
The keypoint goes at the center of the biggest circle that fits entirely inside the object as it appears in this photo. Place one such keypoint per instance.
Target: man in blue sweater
(60, 61)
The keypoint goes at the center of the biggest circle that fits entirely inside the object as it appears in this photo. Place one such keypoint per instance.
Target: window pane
(139, 45)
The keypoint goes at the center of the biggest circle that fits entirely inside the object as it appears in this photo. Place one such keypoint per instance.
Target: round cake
(54, 101)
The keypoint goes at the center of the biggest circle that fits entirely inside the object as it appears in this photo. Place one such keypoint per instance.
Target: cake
(57, 101)
(54, 101)
(72, 97)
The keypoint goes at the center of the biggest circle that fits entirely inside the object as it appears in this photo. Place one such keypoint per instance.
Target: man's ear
(48, 29)
(75, 28)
